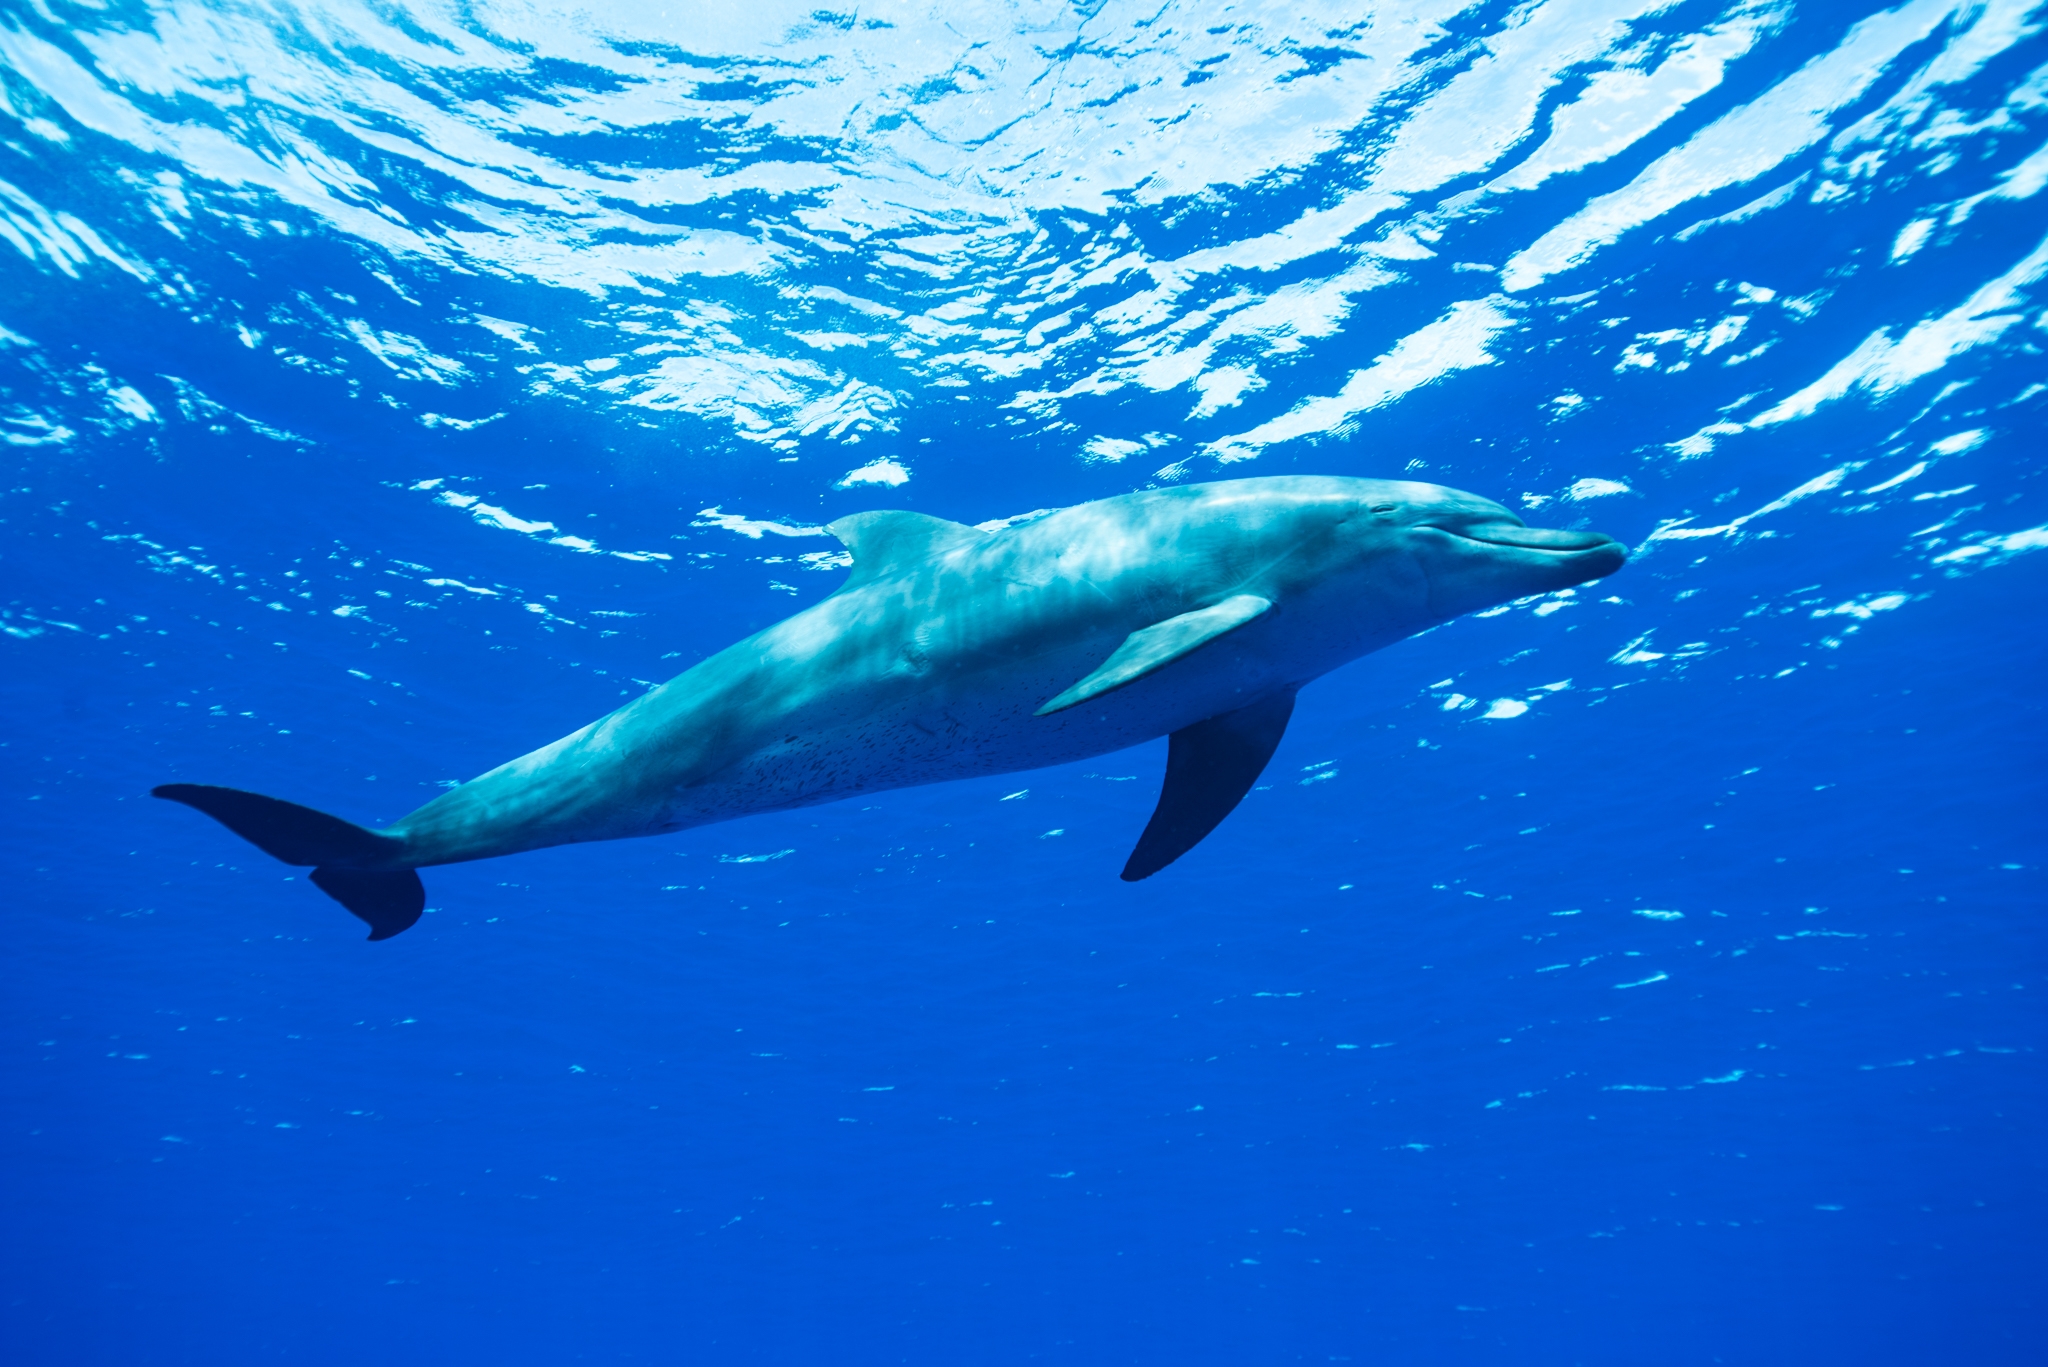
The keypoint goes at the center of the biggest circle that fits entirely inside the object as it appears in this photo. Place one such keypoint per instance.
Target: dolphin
(1194, 612)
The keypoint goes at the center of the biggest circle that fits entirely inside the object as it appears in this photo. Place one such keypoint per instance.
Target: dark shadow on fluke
(389, 901)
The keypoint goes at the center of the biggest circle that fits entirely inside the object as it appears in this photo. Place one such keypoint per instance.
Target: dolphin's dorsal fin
(883, 542)
(1159, 645)
(1210, 766)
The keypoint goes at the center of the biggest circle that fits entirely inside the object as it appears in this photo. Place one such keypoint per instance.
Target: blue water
(1645, 974)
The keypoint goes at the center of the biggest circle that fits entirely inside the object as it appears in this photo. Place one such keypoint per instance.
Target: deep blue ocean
(1650, 973)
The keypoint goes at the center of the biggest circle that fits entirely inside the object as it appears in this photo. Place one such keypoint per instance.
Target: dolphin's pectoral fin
(388, 902)
(390, 899)
(1210, 766)
(1159, 645)
(883, 542)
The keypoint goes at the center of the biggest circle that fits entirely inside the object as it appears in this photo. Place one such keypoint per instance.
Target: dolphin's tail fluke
(388, 899)
(387, 902)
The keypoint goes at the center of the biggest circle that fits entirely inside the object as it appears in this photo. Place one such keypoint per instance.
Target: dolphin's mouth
(1533, 538)
(1595, 553)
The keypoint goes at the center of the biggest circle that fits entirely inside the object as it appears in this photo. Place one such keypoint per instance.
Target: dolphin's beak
(1599, 555)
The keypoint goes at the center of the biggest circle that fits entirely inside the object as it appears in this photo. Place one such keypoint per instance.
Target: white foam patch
(1913, 471)
(130, 402)
(752, 528)
(1881, 364)
(886, 472)
(1957, 443)
(1995, 549)
(1457, 341)
(2022, 181)
(25, 428)
(1492, 105)
(1223, 387)
(1677, 530)
(58, 239)
(1097, 450)
(458, 424)
(1992, 27)
(1624, 104)
(406, 356)
(1636, 652)
(491, 515)
(766, 398)
(1865, 607)
(1911, 238)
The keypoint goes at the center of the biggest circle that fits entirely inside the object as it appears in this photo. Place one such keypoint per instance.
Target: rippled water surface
(1646, 973)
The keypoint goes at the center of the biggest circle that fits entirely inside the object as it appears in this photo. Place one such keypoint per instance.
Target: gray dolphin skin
(1194, 612)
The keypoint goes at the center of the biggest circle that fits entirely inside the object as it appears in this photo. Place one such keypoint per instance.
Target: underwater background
(1646, 973)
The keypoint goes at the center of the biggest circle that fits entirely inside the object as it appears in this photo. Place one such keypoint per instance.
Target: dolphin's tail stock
(389, 899)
